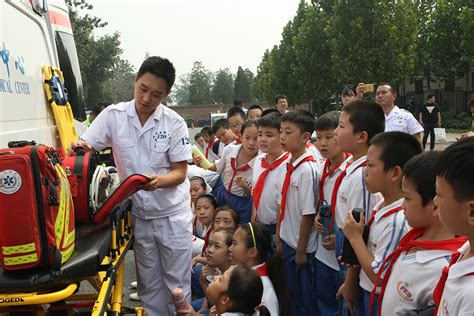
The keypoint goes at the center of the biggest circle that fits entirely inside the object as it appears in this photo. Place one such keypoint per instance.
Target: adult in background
(396, 119)
(240, 104)
(282, 103)
(430, 117)
(151, 139)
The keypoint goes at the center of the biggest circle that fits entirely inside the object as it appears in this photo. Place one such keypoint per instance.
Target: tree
(120, 86)
(264, 82)
(223, 87)
(200, 84)
(181, 93)
(243, 84)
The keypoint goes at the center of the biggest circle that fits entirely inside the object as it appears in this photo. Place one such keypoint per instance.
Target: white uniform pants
(163, 260)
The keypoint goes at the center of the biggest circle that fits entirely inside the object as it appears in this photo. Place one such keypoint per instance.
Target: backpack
(36, 209)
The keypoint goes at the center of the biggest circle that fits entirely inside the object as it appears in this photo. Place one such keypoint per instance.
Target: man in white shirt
(396, 119)
(149, 138)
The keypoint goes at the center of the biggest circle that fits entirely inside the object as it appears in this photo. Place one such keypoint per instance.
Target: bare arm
(306, 224)
(277, 237)
(418, 137)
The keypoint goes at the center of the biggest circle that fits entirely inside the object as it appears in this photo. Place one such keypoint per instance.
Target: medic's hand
(151, 185)
(71, 151)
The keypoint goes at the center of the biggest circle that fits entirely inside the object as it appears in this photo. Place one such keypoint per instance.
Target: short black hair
(160, 67)
(247, 124)
(366, 116)
(327, 121)
(456, 166)
(233, 111)
(281, 96)
(349, 90)
(228, 208)
(197, 136)
(271, 120)
(255, 107)
(245, 290)
(268, 111)
(396, 148)
(429, 96)
(393, 87)
(420, 170)
(99, 107)
(207, 130)
(220, 123)
(302, 119)
(238, 102)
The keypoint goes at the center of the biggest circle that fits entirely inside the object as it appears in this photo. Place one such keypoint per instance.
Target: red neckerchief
(262, 270)
(286, 183)
(258, 188)
(326, 173)
(337, 184)
(438, 291)
(406, 243)
(390, 212)
(206, 241)
(238, 141)
(209, 146)
(233, 165)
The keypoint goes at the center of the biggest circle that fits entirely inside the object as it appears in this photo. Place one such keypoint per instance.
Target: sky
(219, 33)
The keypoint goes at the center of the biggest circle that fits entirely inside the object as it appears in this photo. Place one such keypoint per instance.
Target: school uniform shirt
(214, 149)
(353, 192)
(403, 121)
(301, 199)
(313, 150)
(148, 149)
(412, 280)
(384, 236)
(224, 168)
(269, 298)
(328, 257)
(266, 212)
(458, 294)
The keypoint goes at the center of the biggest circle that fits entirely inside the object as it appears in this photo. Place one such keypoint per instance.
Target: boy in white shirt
(413, 269)
(359, 122)
(266, 170)
(454, 294)
(387, 154)
(296, 236)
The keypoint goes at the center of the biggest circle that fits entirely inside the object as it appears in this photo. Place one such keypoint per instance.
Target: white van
(34, 33)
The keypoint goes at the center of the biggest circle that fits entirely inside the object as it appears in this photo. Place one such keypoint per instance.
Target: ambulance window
(69, 64)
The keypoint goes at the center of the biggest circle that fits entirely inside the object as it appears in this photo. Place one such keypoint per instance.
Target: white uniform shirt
(269, 298)
(384, 237)
(328, 257)
(403, 121)
(458, 294)
(353, 192)
(212, 156)
(148, 149)
(223, 167)
(266, 212)
(301, 199)
(412, 281)
(313, 150)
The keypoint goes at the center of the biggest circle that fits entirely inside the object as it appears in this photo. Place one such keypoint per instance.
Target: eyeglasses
(236, 125)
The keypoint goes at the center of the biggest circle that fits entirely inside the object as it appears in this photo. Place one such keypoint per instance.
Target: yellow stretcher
(99, 258)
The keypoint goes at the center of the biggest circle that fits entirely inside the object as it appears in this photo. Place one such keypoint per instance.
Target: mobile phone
(368, 87)
(348, 253)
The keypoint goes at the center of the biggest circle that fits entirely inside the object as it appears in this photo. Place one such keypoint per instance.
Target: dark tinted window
(69, 64)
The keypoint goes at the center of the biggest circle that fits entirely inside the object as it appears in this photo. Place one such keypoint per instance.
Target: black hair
(396, 148)
(349, 90)
(255, 107)
(229, 231)
(245, 291)
(236, 111)
(202, 182)
(99, 107)
(429, 96)
(327, 121)
(268, 111)
(366, 116)
(281, 96)
(238, 102)
(274, 262)
(210, 198)
(207, 130)
(228, 208)
(393, 88)
(302, 119)
(456, 166)
(271, 120)
(420, 170)
(220, 123)
(248, 124)
(160, 67)
(197, 136)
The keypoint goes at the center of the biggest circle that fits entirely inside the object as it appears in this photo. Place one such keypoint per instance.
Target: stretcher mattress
(92, 245)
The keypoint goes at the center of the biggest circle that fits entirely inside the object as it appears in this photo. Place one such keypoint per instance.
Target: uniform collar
(384, 210)
(462, 268)
(353, 165)
(393, 112)
(303, 156)
(430, 255)
(132, 112)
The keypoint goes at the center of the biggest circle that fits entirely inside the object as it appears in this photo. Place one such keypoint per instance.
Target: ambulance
(35, 33)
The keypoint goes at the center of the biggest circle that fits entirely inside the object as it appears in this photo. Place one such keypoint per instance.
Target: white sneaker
(134, 297)
(134, 284)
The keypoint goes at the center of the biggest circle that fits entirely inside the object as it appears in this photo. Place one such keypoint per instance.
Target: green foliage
(120, 86)
(200, 84)
(243, 85)
(460, 121)
(223, 88)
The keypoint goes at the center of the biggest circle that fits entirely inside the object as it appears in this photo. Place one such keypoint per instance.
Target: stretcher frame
(108, 282)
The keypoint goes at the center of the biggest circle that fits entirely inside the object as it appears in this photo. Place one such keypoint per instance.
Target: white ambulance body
(34, 33)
